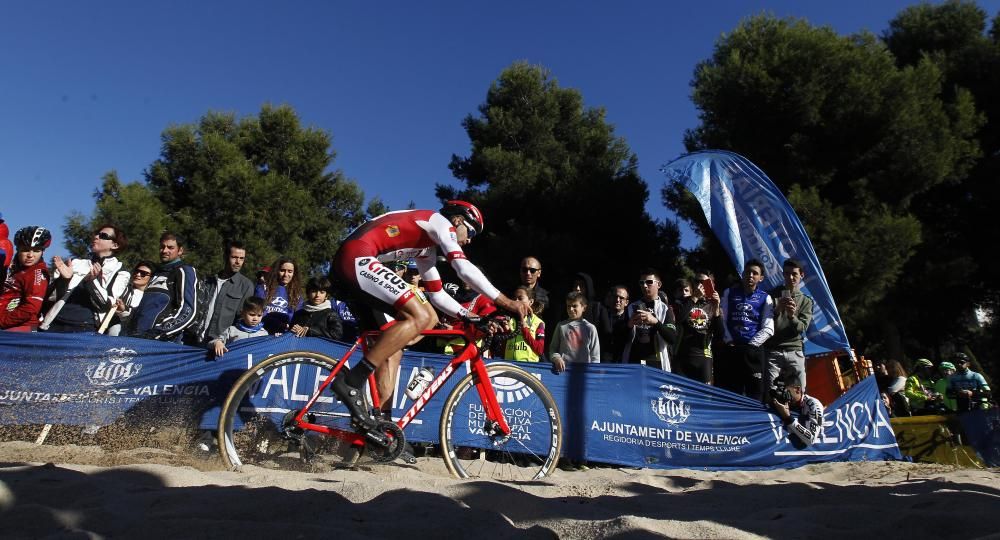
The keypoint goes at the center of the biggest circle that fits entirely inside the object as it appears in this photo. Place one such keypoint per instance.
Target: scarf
(311, 308)
(249, 329)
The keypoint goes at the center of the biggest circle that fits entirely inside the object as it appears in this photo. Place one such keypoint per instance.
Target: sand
(88, 491)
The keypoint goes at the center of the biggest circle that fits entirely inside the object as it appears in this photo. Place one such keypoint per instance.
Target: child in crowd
(250, 325)
(574, 339)
(477, 304)
(27, 281)
(317, 318)
(529, 343)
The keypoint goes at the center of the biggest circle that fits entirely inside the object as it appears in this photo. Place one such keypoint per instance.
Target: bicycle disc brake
(492, 428)
(385, 443)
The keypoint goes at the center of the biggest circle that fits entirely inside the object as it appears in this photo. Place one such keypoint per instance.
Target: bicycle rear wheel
(472, 449)
(256, 423)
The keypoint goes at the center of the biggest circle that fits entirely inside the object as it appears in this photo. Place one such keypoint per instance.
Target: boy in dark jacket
(317, 318)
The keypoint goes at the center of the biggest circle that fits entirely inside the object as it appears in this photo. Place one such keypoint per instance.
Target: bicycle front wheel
(473, 449)
(256, 426)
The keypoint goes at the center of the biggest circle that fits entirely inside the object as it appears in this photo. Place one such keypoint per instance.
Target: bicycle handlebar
(473, 329)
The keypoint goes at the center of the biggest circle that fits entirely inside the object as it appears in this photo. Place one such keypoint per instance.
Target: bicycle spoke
(474, 447)
(257, 425)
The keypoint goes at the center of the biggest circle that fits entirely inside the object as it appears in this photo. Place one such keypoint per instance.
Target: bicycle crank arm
(387, 442)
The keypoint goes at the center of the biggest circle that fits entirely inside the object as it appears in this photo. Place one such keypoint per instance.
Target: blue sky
(88, 87)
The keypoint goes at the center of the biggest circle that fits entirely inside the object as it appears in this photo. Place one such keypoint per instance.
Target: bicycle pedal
(407, 455)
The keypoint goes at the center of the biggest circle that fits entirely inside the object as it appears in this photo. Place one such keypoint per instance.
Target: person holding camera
(653, 330)
(699, 323)
(793, 312)
(789, 397)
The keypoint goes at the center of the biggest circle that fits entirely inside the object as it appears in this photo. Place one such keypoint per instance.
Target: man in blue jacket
(748, 316)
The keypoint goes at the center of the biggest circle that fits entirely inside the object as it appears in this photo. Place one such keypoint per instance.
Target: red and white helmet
(472, 216)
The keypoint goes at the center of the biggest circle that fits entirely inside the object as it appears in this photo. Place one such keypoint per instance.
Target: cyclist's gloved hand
(471, 318)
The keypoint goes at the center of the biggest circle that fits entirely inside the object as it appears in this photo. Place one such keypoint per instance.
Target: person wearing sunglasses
(141, 275)
(617, 303)
(374, 291)
(531, 272)
(652, 324)
(90, 300)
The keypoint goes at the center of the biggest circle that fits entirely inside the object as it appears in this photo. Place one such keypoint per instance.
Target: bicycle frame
(470, 353)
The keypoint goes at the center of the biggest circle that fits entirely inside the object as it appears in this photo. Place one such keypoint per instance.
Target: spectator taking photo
(788, 397)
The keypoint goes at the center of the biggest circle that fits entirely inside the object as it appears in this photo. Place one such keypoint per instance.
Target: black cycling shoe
(355, 402)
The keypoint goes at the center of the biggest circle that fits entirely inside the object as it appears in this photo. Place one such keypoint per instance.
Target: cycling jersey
(809, 425)
(748, 318)
(21, 301)
(969, 380)
(402, 235)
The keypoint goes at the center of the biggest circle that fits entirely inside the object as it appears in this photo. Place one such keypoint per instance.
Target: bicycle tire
(250, 434)
(532, 450)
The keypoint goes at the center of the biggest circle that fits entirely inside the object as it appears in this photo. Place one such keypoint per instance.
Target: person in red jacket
(6, 252)
(24, 289)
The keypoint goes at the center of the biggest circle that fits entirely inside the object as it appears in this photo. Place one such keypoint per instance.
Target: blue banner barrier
(982, 431)
(611, 413)
(752, 220)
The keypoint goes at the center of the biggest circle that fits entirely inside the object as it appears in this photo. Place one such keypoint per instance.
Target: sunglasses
(646, 282)
(470, 231)
(103, 235)
(530, 270)
(141, 273)
(622, 298)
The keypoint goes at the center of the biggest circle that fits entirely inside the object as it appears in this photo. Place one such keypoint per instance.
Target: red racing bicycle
(514, 436)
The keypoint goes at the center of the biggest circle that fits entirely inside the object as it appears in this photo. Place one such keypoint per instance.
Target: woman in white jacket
(86, 290)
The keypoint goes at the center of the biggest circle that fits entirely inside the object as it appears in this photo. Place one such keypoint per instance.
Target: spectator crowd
(741, 337)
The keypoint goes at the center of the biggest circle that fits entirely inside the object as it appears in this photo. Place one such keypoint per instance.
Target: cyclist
(360, 271)
(24, 289)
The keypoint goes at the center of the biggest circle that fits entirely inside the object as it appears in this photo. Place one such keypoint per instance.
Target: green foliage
(811, 107)
(953, 263)
(925, 28)
(854, 139)
(261, 180)
(131, 207)
(866, 243)
(554, 181)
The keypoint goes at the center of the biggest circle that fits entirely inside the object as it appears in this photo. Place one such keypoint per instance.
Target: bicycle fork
(495, 423)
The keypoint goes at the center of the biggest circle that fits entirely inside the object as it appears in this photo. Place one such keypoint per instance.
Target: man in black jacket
(170, 302)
